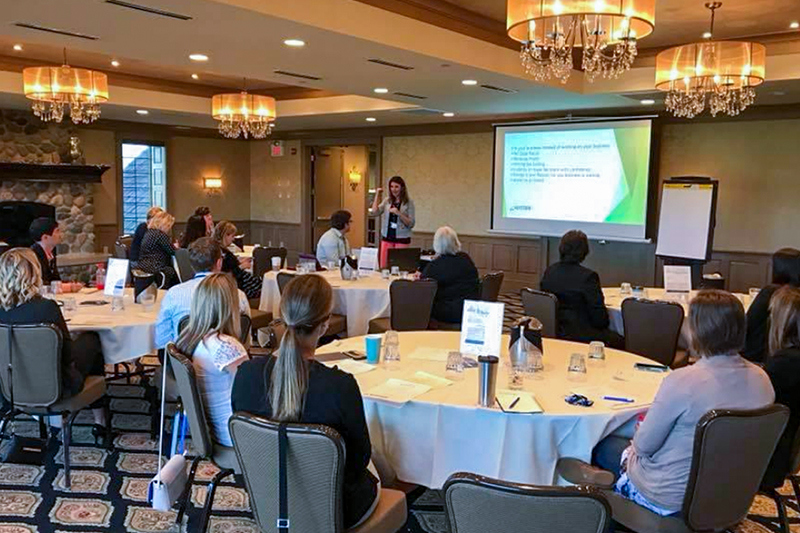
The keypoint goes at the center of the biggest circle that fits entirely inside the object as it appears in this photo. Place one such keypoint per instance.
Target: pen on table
(510, 407)
(618, 399)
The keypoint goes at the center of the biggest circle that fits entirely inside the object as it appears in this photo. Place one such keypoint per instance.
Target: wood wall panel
(291, 235)
(480, 252)
(504, 257)
(529, 259)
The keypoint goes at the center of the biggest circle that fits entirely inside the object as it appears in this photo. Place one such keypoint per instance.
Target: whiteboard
(685, 220)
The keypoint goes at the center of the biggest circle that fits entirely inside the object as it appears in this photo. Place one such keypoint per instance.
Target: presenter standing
(398, 220)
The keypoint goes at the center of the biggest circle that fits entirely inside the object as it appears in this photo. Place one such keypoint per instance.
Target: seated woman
(655, 465)
(138, 235)
(295, 388)
(205, 212)
(582, 313)
(785, 271)
(224, 233)
(455, 274)
(21, 304)
(211, 340)
(195, 229)
(157, 251)
(783, 369)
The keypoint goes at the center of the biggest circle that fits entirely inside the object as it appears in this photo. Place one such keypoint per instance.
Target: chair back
(310, 258)
(477, 504)
(721, 440)
(542, 306)
(283, 279)
(185, 270)
(406, 259)
(262, 259)
(490, 286)
(315, 472)
(186, 381)
(244, 332)
(652, 328)
(33, 353)
(122, 250)
(411, 303)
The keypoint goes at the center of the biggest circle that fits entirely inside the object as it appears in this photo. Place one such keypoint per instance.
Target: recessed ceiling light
(114, 63)
(648, 101)
(380, 90)
(469, 82)
(795, 25)
(448, 114)
(371, 119)
(195, 77)
(198, 57)
(707, 35)
(142, 112)
(18, 48)
(294, 43)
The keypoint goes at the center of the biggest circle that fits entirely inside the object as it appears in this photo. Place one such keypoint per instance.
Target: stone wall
(25, 138)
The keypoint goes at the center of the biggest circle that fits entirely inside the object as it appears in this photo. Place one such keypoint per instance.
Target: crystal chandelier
(249, 115)
(606, 30)
(52, 89)
(720, 75)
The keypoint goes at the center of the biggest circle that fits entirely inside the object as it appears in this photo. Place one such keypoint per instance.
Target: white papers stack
(430, 354)
(350, 366)
(434, 382)
(525, 402)
(397, 390)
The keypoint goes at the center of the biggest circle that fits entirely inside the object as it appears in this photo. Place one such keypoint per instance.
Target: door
(144, 182)
(326, 188)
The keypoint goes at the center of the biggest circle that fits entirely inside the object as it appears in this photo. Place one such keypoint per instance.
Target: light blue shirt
(332, 246)
(177, 303)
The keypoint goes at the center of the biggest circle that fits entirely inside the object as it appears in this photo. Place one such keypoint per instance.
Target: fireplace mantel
(62, 173)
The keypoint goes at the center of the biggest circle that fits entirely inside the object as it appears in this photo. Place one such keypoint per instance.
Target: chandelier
(52, 89)
(250, 115)
(720, 75)
(606, 30)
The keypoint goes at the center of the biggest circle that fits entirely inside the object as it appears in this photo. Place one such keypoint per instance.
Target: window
(144, 182)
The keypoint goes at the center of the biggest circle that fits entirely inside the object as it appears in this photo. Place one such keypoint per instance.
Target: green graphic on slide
(634, 151)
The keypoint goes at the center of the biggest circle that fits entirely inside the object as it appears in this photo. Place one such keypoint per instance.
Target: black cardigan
(582, 314)
(333, 399)
(457, 280)
(783, 369)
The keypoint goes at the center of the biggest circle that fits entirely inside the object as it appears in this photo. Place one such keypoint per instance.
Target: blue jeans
(608, 452)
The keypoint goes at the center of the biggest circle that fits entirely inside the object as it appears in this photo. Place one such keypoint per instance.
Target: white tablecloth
(125, 335)
(360, 300)
(443, 431)
(614, 305)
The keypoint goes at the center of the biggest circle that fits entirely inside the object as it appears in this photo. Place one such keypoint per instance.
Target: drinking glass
(46, 292)
(535, 367)
(55, 287)
(625, 289)
(117, 303)
(385, 273)
(301, 268)
(70, 305)
(391, 349)
(276, 263)
(148, 299)
(597, 350)
(332, 265)
(516, 375)
(576, 371)
(395, 271)
(454, 368)
(403, 274)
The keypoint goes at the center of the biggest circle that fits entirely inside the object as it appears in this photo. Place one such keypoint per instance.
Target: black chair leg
(183, 500)
(43, 429)
(4, 424)
(66, 435)
(212, 488)
(795, 481)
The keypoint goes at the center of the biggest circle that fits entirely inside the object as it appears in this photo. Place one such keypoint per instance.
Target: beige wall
(190, 159)
(99, 148)
(356, 201)
(276, 183)
(449, 177)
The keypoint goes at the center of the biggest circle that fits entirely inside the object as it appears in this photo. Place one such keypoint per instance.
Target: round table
(359, 300)
(444, 431)
(125, 335)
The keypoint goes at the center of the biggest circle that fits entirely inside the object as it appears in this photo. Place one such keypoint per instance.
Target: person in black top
(783, 368)
(195, 229)
(21, 304)
(582, 313)
(157, 251)
(455, 274)
(785, 271)
(141, 229)
(205, 212)
(224, 233)
(295, 388)
(46, 236)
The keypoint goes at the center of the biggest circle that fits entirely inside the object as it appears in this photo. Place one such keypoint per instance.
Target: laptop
(407, 259)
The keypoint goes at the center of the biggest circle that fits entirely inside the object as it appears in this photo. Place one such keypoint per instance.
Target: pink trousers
(385, 246)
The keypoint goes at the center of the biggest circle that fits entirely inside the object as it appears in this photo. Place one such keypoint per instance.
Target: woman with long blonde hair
(22, 304)
(211, 339)
(155, 256)
(224, 233)
(295, 388)
(783, 369)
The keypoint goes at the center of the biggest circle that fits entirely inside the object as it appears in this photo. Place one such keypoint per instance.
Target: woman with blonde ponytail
(293, 387)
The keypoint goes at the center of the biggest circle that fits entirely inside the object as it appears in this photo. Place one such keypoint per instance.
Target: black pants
(87, 355)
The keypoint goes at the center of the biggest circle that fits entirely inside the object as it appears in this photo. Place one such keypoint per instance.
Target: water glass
(333, 265)
(276, 263)
(70, 305)
(576, 371)
(385, 273)
(516, 375)
(46, 292)
(391, 349)
(147, 299)
(403, 274)
(535, 367)
(597, 350)
(117, 303)
(395, 271)
(55, 286)
(625, 289)
(455, 365)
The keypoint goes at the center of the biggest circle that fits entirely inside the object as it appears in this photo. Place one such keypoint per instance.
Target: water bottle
(100, 277)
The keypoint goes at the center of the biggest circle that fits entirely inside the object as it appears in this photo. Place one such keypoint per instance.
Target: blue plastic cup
(373, 348)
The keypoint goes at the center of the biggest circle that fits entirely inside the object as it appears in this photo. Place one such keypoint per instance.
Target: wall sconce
(354, 178)
(212, 185)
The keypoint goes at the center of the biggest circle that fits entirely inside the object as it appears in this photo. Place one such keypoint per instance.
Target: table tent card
(677, 278)
(116, 277)
(368, 260)
(481, 328)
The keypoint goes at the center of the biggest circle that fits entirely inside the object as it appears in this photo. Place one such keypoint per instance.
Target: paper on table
(397, 390)
(430, 354)
(526, 403)
(350, 366)
(434, 382)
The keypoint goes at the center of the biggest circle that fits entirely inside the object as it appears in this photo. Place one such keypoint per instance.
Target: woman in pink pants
(398, 220)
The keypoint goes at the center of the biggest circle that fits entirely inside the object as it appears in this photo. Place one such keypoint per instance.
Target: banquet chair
(122, 247)
(30, 359)
(205, 448)
(477, 504)
(283, 280)
(731, 453)
(652, 328)
(315, 462)
(337, 324)
(490, 286)
(183, 265)
(544, 307)
(771, 491)
(262, 259)
(411, 305)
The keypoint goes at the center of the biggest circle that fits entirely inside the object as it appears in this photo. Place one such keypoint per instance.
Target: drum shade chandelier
(719, 74)
(249, 115)
(52, 89)
(606, 30)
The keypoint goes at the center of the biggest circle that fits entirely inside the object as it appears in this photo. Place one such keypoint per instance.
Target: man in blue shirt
(333, 245)
(205, 256)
